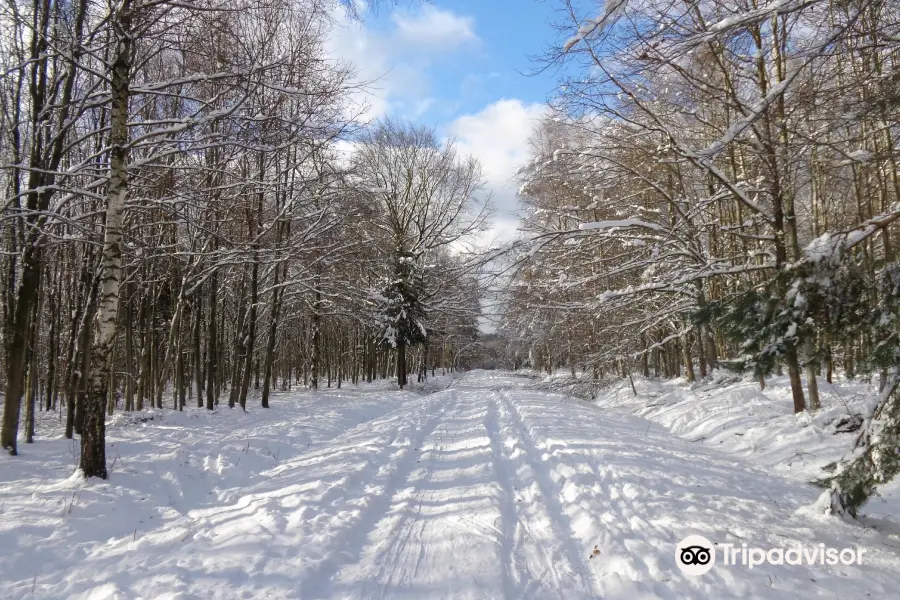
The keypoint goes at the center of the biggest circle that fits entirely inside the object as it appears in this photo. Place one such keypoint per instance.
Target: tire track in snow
(408, 525)
(551, 494)
(351, 541)
(439, 539)
(324, 448)
(509, 521)
(516, 527)
(420, 536)
(356, 443)
(225, 495)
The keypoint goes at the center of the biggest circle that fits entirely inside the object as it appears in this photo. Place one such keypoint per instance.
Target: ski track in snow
(482, 491)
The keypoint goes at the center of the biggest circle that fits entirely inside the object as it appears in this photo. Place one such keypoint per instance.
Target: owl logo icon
(695, 555)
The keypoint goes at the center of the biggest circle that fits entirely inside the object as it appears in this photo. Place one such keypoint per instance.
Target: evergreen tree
(875, 458)
(767, 323)
(400, 312)
(829, 294)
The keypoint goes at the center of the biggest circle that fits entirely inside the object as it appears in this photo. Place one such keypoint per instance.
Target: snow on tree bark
(93, 437)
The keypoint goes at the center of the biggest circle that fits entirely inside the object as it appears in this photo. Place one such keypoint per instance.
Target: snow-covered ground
(735, 416)
(487, 489)
(732, 415)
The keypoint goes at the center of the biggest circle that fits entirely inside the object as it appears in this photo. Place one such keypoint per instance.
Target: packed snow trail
(482, 491)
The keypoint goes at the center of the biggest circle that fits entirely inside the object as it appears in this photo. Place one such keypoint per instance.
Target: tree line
(195, 208)
(718, 187)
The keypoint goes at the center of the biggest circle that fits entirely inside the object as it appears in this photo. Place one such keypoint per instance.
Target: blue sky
(458, 65)
(470, 53)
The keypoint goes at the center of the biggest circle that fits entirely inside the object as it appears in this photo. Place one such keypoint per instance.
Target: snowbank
(733, 415)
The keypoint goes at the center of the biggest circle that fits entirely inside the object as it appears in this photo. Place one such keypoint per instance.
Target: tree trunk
(793, 365)
(153, 371)
(401, 364)
(76, 346)
(812, 369)
(274, 310)
(316, 341)
(211, 355)
(657, 367)
(707, 339)
(17, 348)
(197, 359)
(93, 438)
(129, 355)
(701, 352)
(250, 341)
(30, 388)
(32, 356)
(425, 361)
(645, 367)
(239, 351)
(53, 347)
(144, 367)
(169, 356)
(180, 383)
(686, 355)
(84, 356)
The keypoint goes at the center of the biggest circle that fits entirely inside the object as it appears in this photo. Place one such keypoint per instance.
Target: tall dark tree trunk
(172, 351)
(274, 310)
(793, 365)
(812, 369)
(316, 341)
(701, 352)
(32, 360)
(53, 347)
(16, 354)
(686, 355)
(129, 353)
(197, 360)
(76, 345)
(84, 366)
(239, 352)
(211, 347)
(30, 390)
(423, 373)
(180, 376)
(401, 364)
(146, 341)
(250, 341)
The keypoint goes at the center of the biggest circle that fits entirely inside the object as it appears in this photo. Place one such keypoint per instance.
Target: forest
(184, 220)
(718, 187)
(205, 228)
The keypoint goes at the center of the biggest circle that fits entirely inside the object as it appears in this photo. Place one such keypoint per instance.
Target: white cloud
(432, 27)
(396, 63)
(351, 41)
(498, 137)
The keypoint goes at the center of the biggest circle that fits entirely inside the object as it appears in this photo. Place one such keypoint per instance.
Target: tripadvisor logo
(696, 555)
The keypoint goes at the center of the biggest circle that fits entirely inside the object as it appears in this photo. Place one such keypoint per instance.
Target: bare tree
(428, 200)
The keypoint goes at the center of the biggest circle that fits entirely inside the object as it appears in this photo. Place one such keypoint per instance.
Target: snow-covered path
(484, 490)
